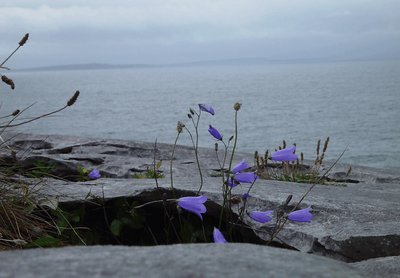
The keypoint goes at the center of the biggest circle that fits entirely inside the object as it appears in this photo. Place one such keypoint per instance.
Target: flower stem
(170, 162)
(234, 143)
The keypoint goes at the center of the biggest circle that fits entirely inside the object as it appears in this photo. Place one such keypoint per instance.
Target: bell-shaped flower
(246, 177)
(193, 204)
(207, 108)
(261, 216)
(231, 182)
(286, 154)
(215, 133)
(241, 166)
(94, 174)
(218, 236)
(302, 215)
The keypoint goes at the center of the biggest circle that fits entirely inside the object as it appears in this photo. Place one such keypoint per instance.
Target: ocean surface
(356, 104)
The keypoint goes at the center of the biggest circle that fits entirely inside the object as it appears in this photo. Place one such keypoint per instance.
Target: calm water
(355, 103)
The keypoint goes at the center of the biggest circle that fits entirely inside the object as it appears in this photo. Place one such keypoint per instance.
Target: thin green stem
(197, 160)
(1, 65)
(234, 143)
(170, 162)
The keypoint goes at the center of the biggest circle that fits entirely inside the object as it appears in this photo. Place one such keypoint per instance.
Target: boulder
(189, 260)
(353, 222)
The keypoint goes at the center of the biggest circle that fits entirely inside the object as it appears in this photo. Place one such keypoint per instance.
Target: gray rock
(353, 221)
(190, 260)
(381, 267)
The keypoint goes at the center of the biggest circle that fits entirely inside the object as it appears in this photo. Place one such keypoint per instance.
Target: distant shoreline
(225, 62)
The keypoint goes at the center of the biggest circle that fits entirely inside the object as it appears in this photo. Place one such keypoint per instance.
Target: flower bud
(73, 99)
(24, 39)
(179, 127)
(237, 106)
(8, 81)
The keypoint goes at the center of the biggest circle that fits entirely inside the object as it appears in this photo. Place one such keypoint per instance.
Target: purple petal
(286, 154)
(261, 216)
(197, 199)
(218, 236)
(94, 174)
(193, 204)
(230, 182)
(247, 177)
(215, 133)
(302, 215)
(245, 196)
(207, 108)
(240, 167)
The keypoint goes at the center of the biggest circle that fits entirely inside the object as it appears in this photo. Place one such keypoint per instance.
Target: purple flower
(302, 215)
(207, 108)
(247, 177)
(193, 204)
(286, 154)
(240, 167)
(245, 196)
(261, 216)
(94, 174)
(218, 236)
(215, 133)
(231, 182)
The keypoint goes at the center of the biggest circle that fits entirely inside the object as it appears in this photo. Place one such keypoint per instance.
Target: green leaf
(45, 241)
(116, 227)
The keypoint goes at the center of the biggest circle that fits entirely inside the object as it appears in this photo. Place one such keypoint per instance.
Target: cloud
(164, 25)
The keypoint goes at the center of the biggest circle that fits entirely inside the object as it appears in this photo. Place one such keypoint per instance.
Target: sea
(355, 104)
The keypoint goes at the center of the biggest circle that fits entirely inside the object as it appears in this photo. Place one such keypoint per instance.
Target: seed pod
(15, 113)
(24, 39)
(348, 171)
(179, 127)
(326, 145)
(235, 200)
(237, 106)
(191, 111)
(8, 81)
(318, 146)
(73, 99)
(288, 199)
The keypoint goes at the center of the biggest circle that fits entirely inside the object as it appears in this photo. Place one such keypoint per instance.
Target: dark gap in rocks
(187, 162)
(33, 144)
(361, 248)
(65, 150)
(137, 170)
(116, 221)
(342, 180)
(94, 160)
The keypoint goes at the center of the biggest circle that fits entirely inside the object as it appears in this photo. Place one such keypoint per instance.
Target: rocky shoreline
(356, 229)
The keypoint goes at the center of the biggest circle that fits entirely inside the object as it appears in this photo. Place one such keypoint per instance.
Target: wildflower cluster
(234, 176)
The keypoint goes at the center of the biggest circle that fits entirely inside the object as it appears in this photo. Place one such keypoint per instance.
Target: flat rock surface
(353, 221)
(190, 260)
(380, 267)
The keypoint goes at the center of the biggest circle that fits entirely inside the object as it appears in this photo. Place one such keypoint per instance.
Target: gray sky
(167, 31)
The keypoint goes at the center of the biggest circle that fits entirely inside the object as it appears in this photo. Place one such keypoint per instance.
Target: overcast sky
(167, 31)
